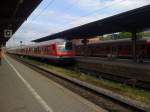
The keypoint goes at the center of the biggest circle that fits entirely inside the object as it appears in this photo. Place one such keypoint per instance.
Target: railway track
(101, 97)
(122, 77)
(125, 80)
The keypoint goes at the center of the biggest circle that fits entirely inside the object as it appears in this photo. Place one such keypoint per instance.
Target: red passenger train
(61, 50)
(121, 48)
(56, 50)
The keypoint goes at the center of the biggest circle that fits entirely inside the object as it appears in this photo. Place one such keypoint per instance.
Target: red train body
(57, 50)
(121, 48)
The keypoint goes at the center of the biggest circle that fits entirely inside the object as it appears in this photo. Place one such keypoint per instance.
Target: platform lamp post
(20, 44)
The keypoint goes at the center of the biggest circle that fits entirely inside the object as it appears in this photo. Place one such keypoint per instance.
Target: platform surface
(25, 90)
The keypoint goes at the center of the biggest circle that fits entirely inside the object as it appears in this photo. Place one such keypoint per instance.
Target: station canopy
(13, 13)
(130, 21)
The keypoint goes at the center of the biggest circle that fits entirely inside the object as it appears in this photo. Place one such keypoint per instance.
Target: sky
(53, 16)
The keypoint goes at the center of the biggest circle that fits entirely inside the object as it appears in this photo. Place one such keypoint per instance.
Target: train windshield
(65, 46)
(61, 48)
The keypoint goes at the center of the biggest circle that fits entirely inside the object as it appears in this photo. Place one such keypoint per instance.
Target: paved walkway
(24, 90)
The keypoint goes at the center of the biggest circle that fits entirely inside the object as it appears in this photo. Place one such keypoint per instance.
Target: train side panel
(120, 49)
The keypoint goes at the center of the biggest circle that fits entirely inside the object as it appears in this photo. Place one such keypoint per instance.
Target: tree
(125, 35)
(129, 35)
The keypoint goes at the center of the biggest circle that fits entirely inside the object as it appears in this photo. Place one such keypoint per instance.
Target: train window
(114, 49)
(46, 49)
(49, 49)
(68, 46)
(37, 49)
(34, 49)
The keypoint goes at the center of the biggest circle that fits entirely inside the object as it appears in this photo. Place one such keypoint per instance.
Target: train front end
(65, 51)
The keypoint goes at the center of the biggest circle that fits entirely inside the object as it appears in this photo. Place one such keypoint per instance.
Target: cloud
(86, 4)
(90, 4)
(125, 5)
(88, 19)
(109, 8)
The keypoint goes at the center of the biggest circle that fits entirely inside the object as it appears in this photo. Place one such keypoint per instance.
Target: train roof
(49, 42)
(119, 41)
(41, 44)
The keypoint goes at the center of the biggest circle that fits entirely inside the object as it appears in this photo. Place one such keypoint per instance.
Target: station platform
(25, 90)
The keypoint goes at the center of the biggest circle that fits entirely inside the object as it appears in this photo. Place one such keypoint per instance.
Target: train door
(54, 50)
(114, 52)
(124, 51)
(145, 51)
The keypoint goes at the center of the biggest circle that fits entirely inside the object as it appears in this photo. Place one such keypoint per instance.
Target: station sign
(8, 33)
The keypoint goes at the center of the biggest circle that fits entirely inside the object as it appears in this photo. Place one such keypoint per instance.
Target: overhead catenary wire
(50, 3)
(102, 8)
(90, 13)
(72, 5)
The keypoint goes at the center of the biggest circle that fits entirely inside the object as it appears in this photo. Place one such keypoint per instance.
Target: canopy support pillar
(85, 42)
(134, 46)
